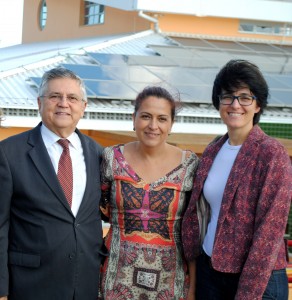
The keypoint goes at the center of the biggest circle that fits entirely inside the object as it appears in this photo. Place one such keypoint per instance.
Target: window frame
(93, 13)
(43, 14)
(266, 28)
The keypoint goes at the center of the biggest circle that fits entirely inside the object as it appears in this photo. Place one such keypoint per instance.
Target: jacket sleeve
(275, 193)
(5, 200)
(106, 179)
(191, 229)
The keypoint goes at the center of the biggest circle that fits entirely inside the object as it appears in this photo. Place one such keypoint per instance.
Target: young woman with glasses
(235, 222)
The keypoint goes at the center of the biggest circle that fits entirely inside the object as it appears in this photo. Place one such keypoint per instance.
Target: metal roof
(20, 65)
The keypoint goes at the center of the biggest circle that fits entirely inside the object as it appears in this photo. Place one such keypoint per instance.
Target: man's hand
(4, 298)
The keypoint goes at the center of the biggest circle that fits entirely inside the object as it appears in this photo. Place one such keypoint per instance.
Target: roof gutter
(151, 19)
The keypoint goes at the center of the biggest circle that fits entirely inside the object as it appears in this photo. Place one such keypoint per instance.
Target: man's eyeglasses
(243, 100)
(73, 99)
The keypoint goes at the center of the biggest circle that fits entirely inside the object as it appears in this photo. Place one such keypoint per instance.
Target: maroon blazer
(253, 216)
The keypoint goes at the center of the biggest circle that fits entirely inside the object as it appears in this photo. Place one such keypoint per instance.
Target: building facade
(50, 20)
(254, 20)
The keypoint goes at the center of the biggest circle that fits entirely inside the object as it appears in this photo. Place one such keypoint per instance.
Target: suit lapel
(242, 162)
(87, 152)
(41, 159)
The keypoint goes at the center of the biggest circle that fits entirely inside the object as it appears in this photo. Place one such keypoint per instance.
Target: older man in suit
(51, 242)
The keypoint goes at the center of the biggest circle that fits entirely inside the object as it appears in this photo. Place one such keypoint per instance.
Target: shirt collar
(50, 138)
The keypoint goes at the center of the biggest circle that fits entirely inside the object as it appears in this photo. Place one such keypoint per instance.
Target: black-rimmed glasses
(243, 100)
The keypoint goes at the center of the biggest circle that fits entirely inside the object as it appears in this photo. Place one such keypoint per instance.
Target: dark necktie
(65, 173)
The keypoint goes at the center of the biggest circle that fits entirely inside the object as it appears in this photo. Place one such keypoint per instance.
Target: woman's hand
(191, 294)
(192, 274)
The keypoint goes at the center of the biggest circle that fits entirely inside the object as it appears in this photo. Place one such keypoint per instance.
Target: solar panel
(109, 59)
(277, 81)
(262, 48)
(227, 45)
(130, 74)
(198, 43)
(193, 62)
(286, 80)
(154, 60)
(189, 70)
(90, 93)
(195, 94)
(36, 80)
(287, 66)
(110, 89)
(281, 97)
(175, 75)
(90, 72)
(211, 58)
(286, 49)
(139, 86)
(266, 64)
(207, 76)
(172, 51)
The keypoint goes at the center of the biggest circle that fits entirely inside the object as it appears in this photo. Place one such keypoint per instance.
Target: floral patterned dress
(145, 259)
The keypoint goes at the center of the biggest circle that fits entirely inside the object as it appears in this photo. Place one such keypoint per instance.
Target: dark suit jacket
(45, 252)
(253, 216)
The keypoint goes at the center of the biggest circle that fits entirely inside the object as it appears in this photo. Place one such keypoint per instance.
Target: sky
(11, 12)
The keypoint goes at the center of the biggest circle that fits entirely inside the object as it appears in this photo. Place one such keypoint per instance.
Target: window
(43, 14)
(266, 28)
(93, 13)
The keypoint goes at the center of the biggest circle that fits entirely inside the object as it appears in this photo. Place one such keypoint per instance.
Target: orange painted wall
(194, 142)
(222, 27)
(64, 21)
(196, 25)
(7, 132)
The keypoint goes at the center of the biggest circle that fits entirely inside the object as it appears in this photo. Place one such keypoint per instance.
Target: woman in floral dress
(145, 187)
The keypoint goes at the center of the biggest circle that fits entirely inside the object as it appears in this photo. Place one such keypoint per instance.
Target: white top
(214, 188)
(78, 163)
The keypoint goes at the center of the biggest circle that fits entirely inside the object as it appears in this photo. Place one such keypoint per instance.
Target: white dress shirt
(78, 163)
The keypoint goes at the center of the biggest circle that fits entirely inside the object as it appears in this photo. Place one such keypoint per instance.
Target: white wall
(11, 17)
(266, 10)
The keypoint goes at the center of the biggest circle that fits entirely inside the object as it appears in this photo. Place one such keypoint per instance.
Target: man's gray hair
(60, 72)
